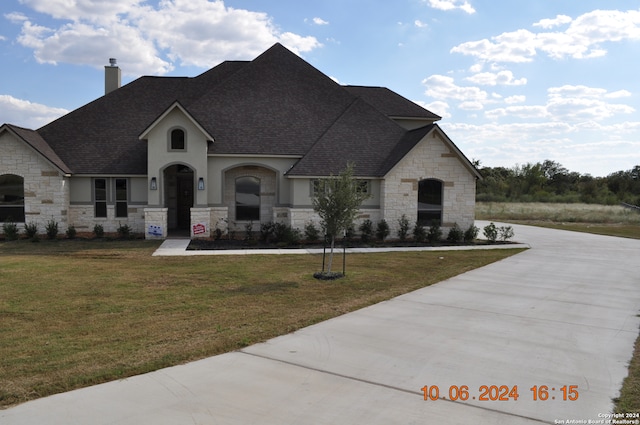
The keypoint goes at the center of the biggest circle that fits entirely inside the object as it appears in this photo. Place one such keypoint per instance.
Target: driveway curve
(549, 331)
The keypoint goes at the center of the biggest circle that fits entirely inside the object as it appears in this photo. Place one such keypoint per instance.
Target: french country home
(244, 142)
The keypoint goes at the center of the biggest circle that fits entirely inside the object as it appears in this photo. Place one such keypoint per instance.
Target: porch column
(155, 223)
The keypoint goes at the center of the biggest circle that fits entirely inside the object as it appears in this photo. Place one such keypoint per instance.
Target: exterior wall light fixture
(201, 183)
(153, 185)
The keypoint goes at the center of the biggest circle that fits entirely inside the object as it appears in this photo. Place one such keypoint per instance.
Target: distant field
(610, 220)
(559, 213)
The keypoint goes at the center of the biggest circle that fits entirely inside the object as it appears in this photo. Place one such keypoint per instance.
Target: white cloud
(518, 46)
(27, 114)
(583, 38)
(476, 68)
(15, 17)
(601, 149)
(567, 104)
(556, 22)
(503, 78)
(442, 87)
(438, 107)
(320, 21)
(418, 23)
(151, 39)
(446, 5)
(528, 112)
(515, 99)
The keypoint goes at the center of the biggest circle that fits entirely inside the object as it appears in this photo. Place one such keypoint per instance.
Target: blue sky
(515, 82)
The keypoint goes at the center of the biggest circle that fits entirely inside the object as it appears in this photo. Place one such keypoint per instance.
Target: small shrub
(31, 230)
(435, 233)
(471, 233)
(98, 231)
(455, 234)
(350, 232)
(248, 231)
(71, 232)
(284, 234)
(366, 231)
(10, 230)
(490, 232)
(382, 230)
(52, 229)
(311, 232)
(124, 231)
(266, 231)
(403, 229)
(419, 232)
(505, 233)
(217, 234)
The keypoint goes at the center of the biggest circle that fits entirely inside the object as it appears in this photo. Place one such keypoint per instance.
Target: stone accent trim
(155, 223)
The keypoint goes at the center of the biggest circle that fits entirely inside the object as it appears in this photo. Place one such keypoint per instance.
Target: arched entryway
(250, 194)
(179, 189)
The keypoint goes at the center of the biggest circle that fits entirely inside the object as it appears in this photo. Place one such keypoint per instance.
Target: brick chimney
(112, 76)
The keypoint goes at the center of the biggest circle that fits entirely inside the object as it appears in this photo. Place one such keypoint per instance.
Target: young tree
(337, 202)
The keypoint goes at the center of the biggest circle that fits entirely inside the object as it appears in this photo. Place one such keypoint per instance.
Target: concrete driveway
(562, 315)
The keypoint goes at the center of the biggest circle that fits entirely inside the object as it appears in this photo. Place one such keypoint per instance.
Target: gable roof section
(278, 104)
(412, 138)
(178, 106)
(33, 139)
(362, 135)
(102, 136)
(391, 103)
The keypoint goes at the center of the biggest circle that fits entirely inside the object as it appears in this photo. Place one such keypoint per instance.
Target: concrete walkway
(561, 314)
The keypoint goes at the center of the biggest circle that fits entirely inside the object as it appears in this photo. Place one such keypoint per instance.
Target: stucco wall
(160, 156)
(430, 159)
(46, 190)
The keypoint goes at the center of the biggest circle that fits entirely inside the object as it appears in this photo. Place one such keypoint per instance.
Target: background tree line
(549, 181)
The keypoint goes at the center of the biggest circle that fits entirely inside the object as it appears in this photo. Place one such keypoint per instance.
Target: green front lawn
(77, 313)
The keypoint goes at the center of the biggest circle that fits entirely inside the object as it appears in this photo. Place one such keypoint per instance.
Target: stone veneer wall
(82, 217)
(298, 218)
(430, 159)
(46, 189)
(200, 217)
(156, 223)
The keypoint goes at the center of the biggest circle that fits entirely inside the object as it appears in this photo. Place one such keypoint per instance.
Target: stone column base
(155, 223)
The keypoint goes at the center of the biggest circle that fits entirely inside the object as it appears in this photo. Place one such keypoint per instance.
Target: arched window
(430, 202)
(177, 140)
(247, 199)
(11, 198)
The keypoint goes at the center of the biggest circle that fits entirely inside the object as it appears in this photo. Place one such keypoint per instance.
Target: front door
(185, 200)
(178, 180)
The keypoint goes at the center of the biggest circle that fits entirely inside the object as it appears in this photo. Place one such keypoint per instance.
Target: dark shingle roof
(391, 103)
(277, 104)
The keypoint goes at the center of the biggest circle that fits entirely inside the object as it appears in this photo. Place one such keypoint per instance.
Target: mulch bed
(222, 244)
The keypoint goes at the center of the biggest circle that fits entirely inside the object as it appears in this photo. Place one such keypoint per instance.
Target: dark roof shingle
(277, 104)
